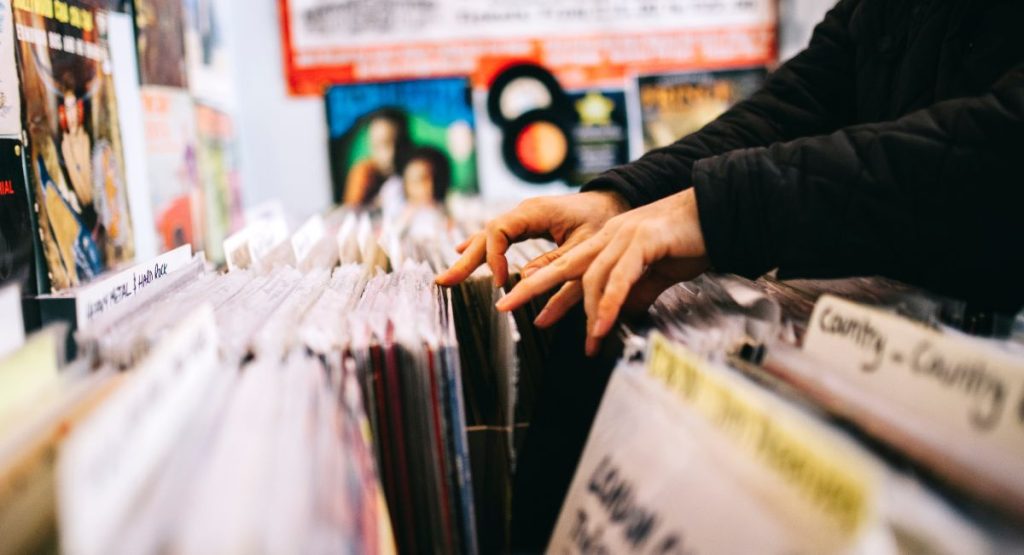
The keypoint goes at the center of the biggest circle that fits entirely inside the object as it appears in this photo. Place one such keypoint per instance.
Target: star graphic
(595, 109)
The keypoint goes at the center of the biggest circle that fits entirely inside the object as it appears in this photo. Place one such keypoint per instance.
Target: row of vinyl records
(323, 395)
(117, 137)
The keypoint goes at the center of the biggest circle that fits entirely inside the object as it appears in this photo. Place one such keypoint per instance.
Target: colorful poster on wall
(75, 160)
(601, 133)
(171, 152)
(207, 54)
(160, 26)
(588, 43)
(673, 105)
(218, 169)
(398, 142)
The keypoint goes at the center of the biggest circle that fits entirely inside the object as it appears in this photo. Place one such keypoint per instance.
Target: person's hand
(567, 220)
(635, 257)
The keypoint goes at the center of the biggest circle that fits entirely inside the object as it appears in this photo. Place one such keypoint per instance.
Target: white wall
(797, 19)
(283, 139)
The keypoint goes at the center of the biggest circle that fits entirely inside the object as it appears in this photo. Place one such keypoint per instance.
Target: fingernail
(542, 319)
(599, 328)
(592, 346)
(502, 304)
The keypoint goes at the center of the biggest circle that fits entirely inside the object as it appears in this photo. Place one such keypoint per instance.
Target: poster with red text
(587, 43)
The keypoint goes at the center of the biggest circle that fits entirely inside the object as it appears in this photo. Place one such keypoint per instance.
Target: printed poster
(673, 105)
(218, 168)
(160, 26)
(172, 153)
(207, 53)
(75, 161)
(399, 143)
(587, 43)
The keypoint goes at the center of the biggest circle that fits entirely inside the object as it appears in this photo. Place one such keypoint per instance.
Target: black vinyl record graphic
(538, 146)
(523, 88)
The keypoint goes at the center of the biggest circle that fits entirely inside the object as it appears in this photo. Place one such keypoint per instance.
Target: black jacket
(893, 145)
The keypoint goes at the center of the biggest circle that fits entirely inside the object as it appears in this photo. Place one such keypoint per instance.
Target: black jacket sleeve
(935, 198)
(809, 95)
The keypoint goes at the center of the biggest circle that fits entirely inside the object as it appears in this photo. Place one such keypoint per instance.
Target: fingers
(547, 258)
(461, 247)
(559, 304)
(472, 257)
(627, 271)
(497, 244)
(530, 219)
(616, 269)
(597, 274)
(568, 267)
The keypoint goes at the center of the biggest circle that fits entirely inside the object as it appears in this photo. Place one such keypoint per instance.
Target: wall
(283, 139)
(797, 19)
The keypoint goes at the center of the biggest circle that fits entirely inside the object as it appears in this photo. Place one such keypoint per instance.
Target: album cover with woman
(75, 161)
(401, 143)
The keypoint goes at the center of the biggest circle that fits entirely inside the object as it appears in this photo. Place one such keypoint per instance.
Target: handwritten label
(964, 382)
(614, 492)
(98, 298)
(668, 473)
(829, 479)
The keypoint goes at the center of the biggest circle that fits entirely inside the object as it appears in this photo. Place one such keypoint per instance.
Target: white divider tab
(307, 237)
(686, 457)
(94, 299)
(973, 389)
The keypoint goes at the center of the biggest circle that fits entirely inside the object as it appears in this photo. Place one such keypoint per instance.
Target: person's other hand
(635, 257)
(567, 220)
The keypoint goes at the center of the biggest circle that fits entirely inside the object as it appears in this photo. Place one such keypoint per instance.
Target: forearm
(809, 95)
(894, 198)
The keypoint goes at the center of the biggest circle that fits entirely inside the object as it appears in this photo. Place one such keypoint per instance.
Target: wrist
(693, 234)
(610, 200)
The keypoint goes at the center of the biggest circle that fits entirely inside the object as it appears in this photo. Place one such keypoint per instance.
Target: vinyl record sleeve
(160, 30)
(75, 160)
(376, 129)
(673, 105)
(17, 226)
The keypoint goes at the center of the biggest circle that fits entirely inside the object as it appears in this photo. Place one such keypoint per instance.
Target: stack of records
(310, 399)
(818, 416)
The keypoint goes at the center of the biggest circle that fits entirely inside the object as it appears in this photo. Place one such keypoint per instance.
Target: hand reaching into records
(567, 220)
(634, 257)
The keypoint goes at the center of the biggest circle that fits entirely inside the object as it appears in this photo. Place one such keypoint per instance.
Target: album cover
(75, 160)
(673, 105)
(172, 156)
(207, 56)
(160, 30)
(601, 133)
(17, 239)
(219, 174)
(401, 143)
